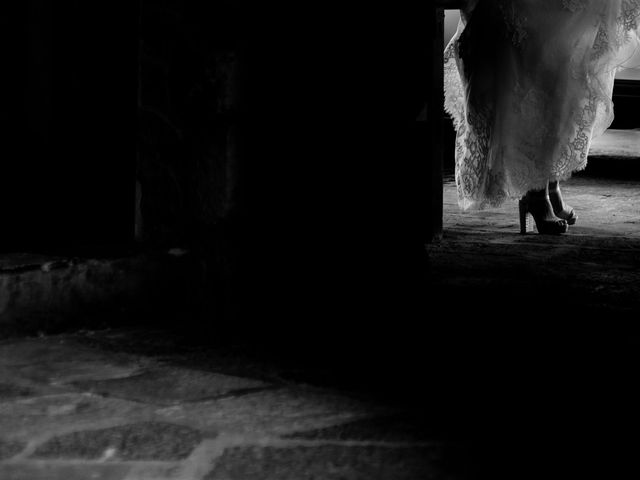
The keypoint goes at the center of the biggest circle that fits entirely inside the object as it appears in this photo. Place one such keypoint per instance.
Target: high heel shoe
(536, 209)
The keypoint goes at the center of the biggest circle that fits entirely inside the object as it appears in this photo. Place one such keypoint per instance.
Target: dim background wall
(69, 124)
(279, 145)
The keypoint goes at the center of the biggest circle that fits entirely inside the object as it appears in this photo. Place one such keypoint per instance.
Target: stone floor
(594, 268)
(139, 404)
(550, 323)
(134, 405)
(522, 362)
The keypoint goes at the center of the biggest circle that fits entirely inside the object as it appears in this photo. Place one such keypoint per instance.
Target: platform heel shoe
(536, 210)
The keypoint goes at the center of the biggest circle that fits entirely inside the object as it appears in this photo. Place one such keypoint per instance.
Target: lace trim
(573, 156)
(628, 22)
(516, 24)
(574, 5)
(602, 43)
(630, 15)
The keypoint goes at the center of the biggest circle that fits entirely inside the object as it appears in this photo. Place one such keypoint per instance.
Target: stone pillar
(435, 125)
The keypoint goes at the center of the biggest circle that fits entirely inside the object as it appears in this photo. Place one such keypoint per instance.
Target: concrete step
(623, 144)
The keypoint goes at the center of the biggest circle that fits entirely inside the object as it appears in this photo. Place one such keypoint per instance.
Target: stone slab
(69, 371)
(170, 386)
(136, 441)
(272, 412)
(396, 428)
(49, 350)
(9, 448)
(23, 471)
(46, 415)
(54, 405)
(327, 462)
(10, 391)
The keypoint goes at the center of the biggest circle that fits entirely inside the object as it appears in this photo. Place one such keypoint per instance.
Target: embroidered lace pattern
(629, 15)
(515, 23)
(574, 5)
(533, 125)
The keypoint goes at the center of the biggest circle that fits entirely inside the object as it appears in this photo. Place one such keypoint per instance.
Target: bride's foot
(538, 205)
(561, 209)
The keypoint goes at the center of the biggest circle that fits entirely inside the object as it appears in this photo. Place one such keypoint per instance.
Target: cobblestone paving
(74, 410)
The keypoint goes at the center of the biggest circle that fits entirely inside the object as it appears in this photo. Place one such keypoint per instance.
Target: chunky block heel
(525, 219)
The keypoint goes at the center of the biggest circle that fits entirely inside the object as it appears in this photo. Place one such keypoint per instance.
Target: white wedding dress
(528, 84)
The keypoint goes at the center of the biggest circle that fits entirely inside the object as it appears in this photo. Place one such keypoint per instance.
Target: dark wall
(67, 178)
(339, 166)
(277, 143)
(282, 141)
(282, 108)
(334, 98)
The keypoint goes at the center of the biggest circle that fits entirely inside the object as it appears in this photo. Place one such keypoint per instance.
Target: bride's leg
(560, 208)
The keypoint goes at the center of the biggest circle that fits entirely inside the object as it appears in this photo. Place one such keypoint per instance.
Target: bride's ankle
(539, 204)
(560, 208)
(555, 196)
(536, 196)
